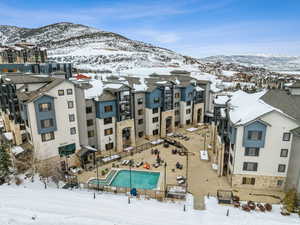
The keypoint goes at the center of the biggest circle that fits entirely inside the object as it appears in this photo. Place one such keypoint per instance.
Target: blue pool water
(139, 179)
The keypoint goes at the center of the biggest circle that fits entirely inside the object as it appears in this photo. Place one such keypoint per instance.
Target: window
(286, 136)
(188, 103)
(155, 110)
(108, 131)
(107, 120)
(140, 101)
(156, 100)
(281, 168)
(176, 112)
(231, 159)
(254, 135)
(176, 104)
(141, 134)
(154, 119)
(177, 123)
(279, 183)
(109, 146)
(61, 92)
(90, 122)
(108, 108)
(284, 152)
(47, 136)
(89, 109)
(91, 133)
(155, 132)
(188, 122)
(44, 107)
(250, 166)
(248, 180)
(251, 151)
(70, 104)
(140, 112)
(47, 123)
(73, 130)
(140, 121)
(177, 95)
(69, 91)
(71, 117)
(188, 111)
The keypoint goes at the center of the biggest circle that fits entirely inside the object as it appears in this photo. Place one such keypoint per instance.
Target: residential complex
(60, 117)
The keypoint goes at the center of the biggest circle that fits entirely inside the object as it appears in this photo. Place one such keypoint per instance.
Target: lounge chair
(180, 181)
(180, 178)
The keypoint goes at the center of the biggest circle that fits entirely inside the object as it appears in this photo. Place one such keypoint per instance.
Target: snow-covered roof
(199, 88)
(246, 107)
(221, 99)
(113, 86)
(142, 86)
(95, 90)
(228, 73)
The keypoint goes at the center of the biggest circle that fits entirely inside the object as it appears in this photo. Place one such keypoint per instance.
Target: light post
(204, 143)
(165, 181)
(97, 174)
(130, 164)
(187, 167)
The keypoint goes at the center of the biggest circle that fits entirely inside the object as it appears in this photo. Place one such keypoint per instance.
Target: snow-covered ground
(32, 204)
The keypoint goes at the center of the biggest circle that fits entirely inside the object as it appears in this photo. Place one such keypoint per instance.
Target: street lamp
(165, 181)
(130, 164)
(187, 166)
(97, 174)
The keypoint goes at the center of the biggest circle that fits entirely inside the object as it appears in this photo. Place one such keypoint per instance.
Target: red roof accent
(82, 76)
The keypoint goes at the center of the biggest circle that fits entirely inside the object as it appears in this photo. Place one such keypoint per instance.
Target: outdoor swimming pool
(139, 179)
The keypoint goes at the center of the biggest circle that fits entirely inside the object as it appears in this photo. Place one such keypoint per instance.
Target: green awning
(67, 149)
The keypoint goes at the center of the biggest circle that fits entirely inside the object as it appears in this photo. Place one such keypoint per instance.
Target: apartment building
(22, 53)
(124, 111)
(259, 137)
(43, 114)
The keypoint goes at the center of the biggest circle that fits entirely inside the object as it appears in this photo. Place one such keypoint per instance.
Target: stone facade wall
(195, 113)
(120, 126)
(261, 182)
(164, 116)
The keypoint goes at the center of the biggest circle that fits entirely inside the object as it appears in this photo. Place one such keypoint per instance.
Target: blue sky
(192, 27)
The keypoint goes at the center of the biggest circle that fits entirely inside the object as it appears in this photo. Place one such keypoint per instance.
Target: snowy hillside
(27, 206)
(274, 63)
(90, 48)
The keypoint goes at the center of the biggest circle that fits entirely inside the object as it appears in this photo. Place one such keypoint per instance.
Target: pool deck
(202, 179)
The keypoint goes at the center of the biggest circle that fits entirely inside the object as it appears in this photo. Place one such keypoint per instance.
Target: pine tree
(5, 163)
(290, 200)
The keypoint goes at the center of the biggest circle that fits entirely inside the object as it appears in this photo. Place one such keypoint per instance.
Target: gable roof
(280, 99)
(32, 95)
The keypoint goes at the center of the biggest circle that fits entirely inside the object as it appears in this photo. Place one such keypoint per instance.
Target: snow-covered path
(63, 207)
